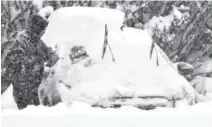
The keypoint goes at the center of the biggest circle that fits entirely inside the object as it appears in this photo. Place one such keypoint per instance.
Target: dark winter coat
(24, 62)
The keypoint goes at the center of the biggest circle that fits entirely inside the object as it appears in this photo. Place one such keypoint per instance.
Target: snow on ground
(7, 101)
(81, 114)
(84, 108)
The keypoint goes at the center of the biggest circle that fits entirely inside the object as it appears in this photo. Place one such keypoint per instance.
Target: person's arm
(12, 64)
(50, 57)
(38, 23)
(36, 27)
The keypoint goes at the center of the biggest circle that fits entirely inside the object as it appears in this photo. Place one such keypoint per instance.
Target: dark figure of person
(24, 64)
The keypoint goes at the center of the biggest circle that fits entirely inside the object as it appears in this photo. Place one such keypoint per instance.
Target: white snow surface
(84, 108)
(7, 101)
(81, 115)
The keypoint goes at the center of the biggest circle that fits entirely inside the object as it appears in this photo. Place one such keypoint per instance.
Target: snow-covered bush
(180, 40)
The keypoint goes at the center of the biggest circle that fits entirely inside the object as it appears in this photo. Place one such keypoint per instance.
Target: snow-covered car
(123, 75)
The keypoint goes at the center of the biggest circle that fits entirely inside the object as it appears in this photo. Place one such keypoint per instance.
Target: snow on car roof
(82, 25)
(111, 14)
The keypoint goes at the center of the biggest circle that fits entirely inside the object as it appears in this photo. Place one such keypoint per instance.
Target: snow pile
(124, 78)
(133, 74)
(70, 23)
